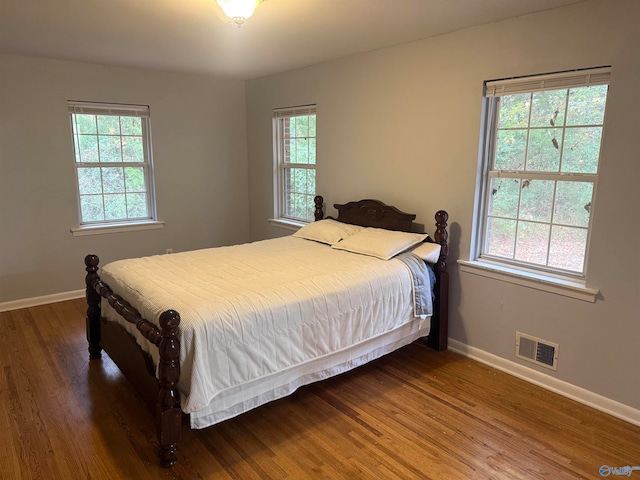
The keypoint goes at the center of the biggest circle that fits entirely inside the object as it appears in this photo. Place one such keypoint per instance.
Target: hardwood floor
(415, 413)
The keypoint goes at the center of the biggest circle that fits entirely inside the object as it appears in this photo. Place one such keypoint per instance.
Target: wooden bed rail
(168, 412)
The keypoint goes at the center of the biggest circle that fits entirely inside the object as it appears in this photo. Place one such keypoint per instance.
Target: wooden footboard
(163, 393)
(168, 412)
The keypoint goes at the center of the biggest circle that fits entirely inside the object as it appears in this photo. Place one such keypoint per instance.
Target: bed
(259, 320)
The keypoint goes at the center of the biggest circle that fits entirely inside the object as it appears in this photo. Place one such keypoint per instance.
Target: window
(112, 157)
(295, 159)
(542, 154)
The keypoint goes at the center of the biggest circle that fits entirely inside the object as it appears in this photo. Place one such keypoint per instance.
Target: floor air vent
(538, 351)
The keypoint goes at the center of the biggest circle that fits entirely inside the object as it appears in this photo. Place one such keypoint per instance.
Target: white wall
(403, 125)
(199, 146)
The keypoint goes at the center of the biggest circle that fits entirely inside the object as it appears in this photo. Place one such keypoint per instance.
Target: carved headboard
(373, 213)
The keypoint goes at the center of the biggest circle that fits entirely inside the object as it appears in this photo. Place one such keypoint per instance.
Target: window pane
(536, 200)
(89, 181)
(291, 127)
(510, 149)
(302, 126)
(299, 205)
(501, 236)
(544, 150)
(532, 242)
(581, 150)
(586, 105)
(514, 111)
(115, 207)
(505, 195)
(110, 149)
(298, 180)
(568, 247)
(312, 125)
(76, 147)
(286, 151)
(113, 180)
(134, 179)
(132, 149)
(311, 182)
(547, 108)
(300, 151)
(91, 208)
(573, 203)
(312, 151)
(85, 123)
(131, 125)
(108, 125)
(88, 147)
(137, 205)
(286, 127)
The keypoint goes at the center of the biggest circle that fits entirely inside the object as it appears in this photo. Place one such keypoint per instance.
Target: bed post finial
(441, 237)
(91, 262)
(319, 203)
(168, 411)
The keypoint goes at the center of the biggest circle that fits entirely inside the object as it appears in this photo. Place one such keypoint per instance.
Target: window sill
(287, 224)
(115, 228)
(545, 283)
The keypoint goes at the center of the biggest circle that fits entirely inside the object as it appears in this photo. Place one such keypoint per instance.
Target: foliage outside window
(295, 158)
(541, 169)
(113, 162)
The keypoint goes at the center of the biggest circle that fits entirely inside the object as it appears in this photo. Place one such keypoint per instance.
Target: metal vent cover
(535, 350)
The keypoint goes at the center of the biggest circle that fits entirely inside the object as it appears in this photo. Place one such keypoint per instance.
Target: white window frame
(281, 167)
(530, 274)
(88, 227)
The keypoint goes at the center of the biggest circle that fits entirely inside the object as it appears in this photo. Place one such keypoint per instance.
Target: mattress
(259, 320)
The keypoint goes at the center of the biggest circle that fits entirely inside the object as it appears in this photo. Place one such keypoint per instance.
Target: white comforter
(258, 320)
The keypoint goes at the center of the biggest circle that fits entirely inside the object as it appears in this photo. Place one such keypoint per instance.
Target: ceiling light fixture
(239, 10)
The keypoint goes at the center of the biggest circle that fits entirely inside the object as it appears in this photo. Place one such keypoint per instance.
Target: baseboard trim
(579, 394)
(43, 300)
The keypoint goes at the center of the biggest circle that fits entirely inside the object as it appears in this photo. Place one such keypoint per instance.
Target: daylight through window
(295, 152)
(113, 162)
(541, 169)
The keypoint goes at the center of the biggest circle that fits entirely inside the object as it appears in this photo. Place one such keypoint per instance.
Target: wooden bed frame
(162, 393)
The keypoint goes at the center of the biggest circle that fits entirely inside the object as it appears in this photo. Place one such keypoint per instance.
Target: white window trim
(538, 281)
(95, 229)
(281, 220)
(571, 285)
(106, 226)
(287, 224)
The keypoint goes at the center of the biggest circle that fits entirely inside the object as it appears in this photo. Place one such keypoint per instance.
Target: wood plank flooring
(414, 414)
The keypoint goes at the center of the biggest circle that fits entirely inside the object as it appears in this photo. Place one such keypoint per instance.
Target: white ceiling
(189, 35)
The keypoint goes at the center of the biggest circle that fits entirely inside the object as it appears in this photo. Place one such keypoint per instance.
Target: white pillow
(327, 231)
(380, 243)
(427, 251)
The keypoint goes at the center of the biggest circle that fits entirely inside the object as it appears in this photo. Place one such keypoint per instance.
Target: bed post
(318, 213)
(168, 412)
(93, 306)
(440, 330)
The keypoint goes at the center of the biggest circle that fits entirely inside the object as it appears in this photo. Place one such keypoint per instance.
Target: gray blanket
(424, 280)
